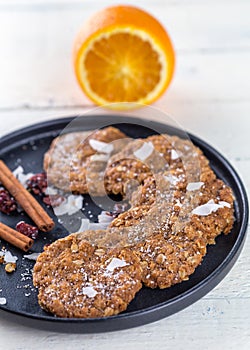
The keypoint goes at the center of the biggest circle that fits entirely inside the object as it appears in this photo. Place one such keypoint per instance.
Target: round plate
(26, 147)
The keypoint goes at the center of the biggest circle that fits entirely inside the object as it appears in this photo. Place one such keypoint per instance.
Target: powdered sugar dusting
(193, 186)
(144, 151)
(115, 263)
(89, 291)
(209, 207)
(102, 147)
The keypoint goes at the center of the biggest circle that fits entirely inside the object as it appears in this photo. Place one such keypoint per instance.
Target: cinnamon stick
(25, 199)
(16, 238)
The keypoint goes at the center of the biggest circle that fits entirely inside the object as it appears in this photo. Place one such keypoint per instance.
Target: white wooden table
(209, 96)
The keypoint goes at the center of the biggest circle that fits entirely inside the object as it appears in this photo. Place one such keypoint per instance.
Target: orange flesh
(122, 67)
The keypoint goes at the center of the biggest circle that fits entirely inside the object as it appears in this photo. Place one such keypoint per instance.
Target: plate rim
(214, 278)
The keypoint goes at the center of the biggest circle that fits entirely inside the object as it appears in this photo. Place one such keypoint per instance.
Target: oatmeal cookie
(178, 207)
(77, 279)
(170, 257)
(143, 158)
(75, 161)
(57, 159)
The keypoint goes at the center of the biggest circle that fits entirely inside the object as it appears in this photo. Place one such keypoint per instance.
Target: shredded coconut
(89, 291)
(193, 186)
(115, 262)
(144, 151)
(102, 147)
(209, 207)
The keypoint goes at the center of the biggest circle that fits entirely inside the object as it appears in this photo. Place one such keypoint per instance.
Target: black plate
(27, 147)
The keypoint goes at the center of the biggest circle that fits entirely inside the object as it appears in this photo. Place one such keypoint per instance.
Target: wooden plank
(41, 83)
(216, 324)
(191, 21)
(36, 65)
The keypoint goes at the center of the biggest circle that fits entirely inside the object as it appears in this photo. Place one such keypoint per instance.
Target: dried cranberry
(7, 202)
(38, 183)
(27, 230)
(53, 200)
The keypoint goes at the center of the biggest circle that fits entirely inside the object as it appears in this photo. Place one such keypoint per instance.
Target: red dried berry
(53, 200)
(38, 183)
(27, 230)
(7, 202)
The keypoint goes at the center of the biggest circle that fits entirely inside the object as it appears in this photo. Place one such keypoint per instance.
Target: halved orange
(123, 54)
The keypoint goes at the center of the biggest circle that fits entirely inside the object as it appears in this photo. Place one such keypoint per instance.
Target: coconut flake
(89, 291)
(32, 256)
(9, 258)
(100, 146)
(174, 154)
(144, 151)
(3, 301)
(84, 225)
(104, 217)
(225, 204)
(51, 191)
(115, 263)
(193, 186)
(99, 158)
(209, 207)
(21, 176)
(19, 170)
(70, 206)
(75, 203)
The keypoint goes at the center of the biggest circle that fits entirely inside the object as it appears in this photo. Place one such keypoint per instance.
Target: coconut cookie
(77, 279)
